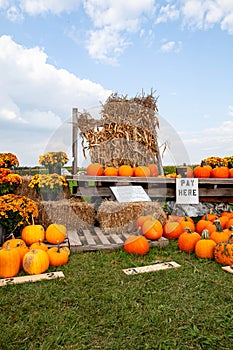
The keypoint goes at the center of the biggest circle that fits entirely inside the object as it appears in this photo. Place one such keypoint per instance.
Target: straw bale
(121, 217)
(69, 212)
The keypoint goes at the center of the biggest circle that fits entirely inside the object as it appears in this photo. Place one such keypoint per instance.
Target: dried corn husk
(125, 134)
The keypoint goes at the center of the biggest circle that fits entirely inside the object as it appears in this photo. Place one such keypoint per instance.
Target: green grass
(97, 306)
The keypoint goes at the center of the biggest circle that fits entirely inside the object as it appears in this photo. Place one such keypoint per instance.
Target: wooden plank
(116, 239)
(151, 268)
(31, 278)
(74, 238)
(89, 237)
(101, 236)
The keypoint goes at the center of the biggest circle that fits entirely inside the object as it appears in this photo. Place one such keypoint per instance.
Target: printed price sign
(126, 194)
(187, 191)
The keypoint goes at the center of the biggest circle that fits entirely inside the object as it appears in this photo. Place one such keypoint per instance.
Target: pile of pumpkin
(211, 237)
(96, 169)
(30, 252)
(151, 170)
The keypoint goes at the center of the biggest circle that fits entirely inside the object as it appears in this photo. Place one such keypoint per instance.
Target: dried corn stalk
(126, 133)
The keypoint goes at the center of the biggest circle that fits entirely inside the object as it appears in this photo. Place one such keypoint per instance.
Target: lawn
(97, 306)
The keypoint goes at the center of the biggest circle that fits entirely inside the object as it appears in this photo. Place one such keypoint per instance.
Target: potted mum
(48, 185)
(8, 181)
(54, 161)
(16, 212)
(8, 160)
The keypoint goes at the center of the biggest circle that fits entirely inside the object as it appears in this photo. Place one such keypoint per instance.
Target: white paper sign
(126, 194)
(187, 191)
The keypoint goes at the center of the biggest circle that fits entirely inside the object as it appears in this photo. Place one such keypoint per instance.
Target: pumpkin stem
(33, 221)
(205, 234)
(188, 229)
(58, 247)
(218, 225)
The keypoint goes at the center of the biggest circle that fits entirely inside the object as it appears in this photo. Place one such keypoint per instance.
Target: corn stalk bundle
(125, 134)
(121, 217)
(71, 213)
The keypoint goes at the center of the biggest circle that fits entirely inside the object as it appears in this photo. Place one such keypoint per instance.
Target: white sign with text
(187, 191)
(126, 194)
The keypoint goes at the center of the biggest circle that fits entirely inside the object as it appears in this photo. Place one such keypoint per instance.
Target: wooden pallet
(96, 239)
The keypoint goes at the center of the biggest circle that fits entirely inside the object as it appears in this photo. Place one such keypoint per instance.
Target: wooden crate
(96, 239)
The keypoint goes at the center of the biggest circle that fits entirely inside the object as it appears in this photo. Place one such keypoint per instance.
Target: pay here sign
(187, 191)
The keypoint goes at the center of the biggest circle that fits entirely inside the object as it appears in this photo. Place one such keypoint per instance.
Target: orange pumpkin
(204, 249)
(33, 233)
(231, 172)
(202, 224)
(219, 235)
(110, 171)
(36, 261)
(152, 229)
(125, 170)
(136, 245)
(187, 223)
(141, 171)
(202, 171)
(94, 169)
(220, 172)
(141, 219)
(154, 171)
(39, 245)
(172, 229)
(55, 233)
(13, 242)
(23, 249)
(58, 256)
(223, 252)
(187, 240)
(9, 261)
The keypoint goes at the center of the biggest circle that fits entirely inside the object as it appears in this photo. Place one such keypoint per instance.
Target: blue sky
(60, 54)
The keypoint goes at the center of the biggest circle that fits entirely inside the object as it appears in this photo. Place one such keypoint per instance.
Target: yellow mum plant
(214, 161)
(16, 211)
(53, 158)
(8, 160)
(48, 182)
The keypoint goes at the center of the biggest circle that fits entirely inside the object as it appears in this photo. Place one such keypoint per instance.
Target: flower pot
(2, 234)
(54, 169)
(48, 196)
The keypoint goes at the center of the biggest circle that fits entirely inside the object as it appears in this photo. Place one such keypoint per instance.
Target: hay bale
(71, 212)
(121, 217)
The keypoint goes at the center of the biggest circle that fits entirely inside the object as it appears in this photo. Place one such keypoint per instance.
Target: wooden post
(74, 140)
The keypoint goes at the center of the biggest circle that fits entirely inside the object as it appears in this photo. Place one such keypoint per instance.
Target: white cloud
(171, 46)
(106, 45)
(113, 21)
(167, 13)
(203, 14)
(37, 96)
(35, 7)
